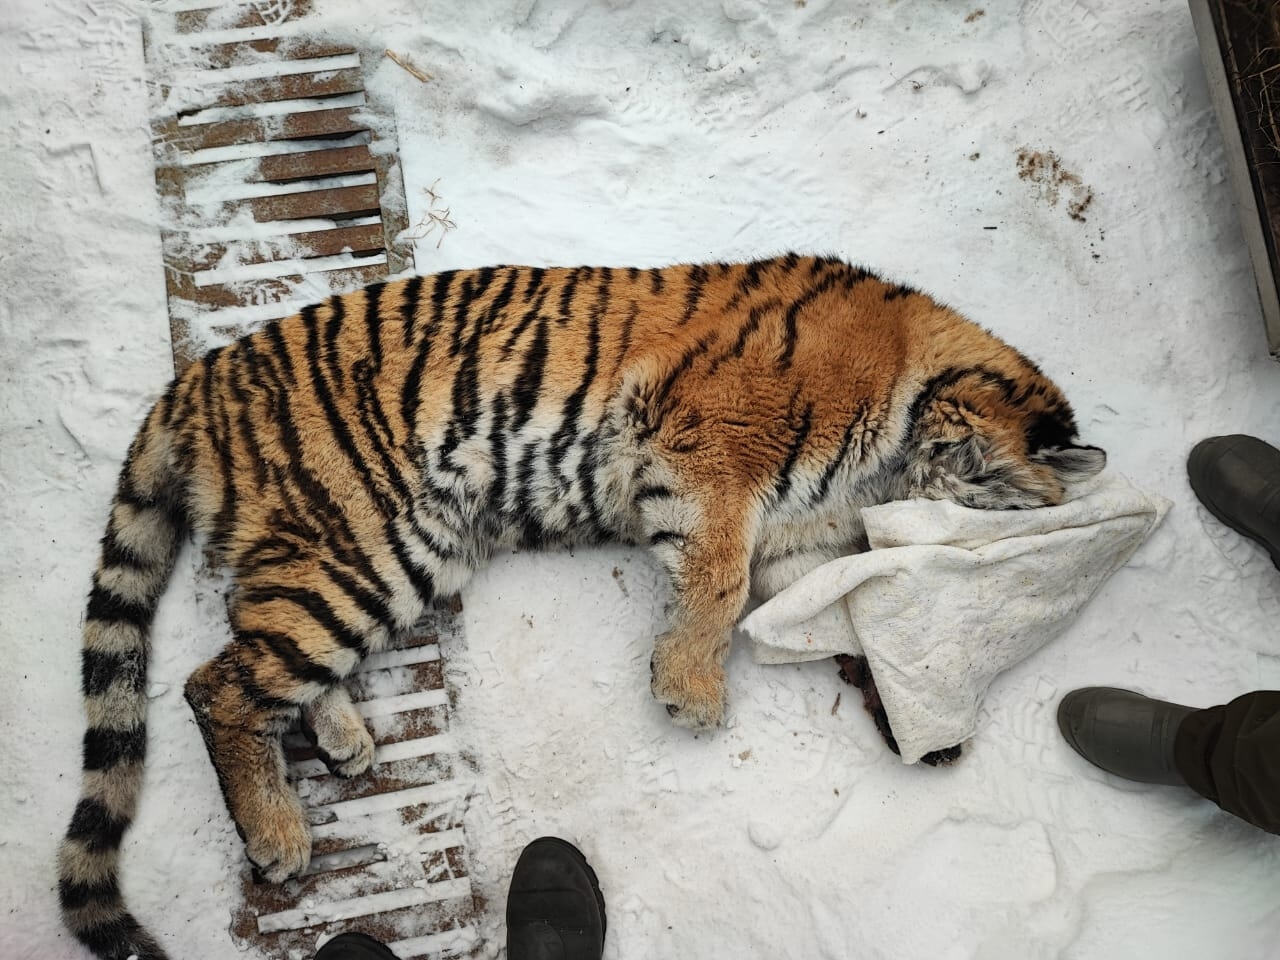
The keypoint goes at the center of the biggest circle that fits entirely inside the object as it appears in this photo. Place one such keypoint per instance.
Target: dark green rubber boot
(554, 909)
(1123, 732)
(1237, 478)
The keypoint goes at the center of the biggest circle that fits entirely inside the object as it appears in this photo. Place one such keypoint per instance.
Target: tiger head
(995, 438)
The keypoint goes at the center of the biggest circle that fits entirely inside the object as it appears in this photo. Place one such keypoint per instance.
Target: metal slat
(182, 255)
(311, 124)
(335, 202)
(295, 86)
(241, 15)
(314, 164)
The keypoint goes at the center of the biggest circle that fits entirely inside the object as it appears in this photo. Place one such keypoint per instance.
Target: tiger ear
(1072, 463)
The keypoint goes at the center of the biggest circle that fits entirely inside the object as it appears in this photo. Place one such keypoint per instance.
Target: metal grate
(280, 184)
(278, 171)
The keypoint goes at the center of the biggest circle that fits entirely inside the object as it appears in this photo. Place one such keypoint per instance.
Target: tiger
(353, 462)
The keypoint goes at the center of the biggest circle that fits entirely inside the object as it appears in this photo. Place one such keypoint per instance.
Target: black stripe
(624, 339)
(563, 437)
(373, 605)
(120, 936)
(566, 294)
(93, 826)
(465, 395)
(651, 492)
(300, 666)
(280, 349)
(528, 383)
(259, 698)
(315, 607)
(244, 423)
(499, 306)
(106, 607)
(854, 276)
(411, 392)
(270, 551)
(587, 465)
(536, 276)
(897, 291)
(337, 423)
(665, 536)
(377, 429)
(783, 484)
(98, 670)
(215, 405)
(697, 281)
(750, 326)
(793, 311)
(529, 316)
(116, 554)
(498, 452)
(73, 894)
(420, 578)
(633, 274)
(470, 294)
(790, 262)
(656, 280)
(104, 749)
(829, 473)
(751, 275)
(373, 321)
(532, 533)
(332, 329)
(409, 306)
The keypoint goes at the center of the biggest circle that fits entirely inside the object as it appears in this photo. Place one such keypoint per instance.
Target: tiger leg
(344, 741)
(709, 566)
(296, 638)
(242, 723)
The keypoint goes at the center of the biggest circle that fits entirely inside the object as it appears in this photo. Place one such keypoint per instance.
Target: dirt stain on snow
(622, 584)
(1055, 181)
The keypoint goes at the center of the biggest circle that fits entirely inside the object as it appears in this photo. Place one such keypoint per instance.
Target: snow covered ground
(565, 131)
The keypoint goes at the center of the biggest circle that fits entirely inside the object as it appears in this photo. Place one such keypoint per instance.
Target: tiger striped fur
(353, 461)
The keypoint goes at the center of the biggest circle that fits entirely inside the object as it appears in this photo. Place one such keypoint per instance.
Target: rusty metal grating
(280, 184)
(277, 170)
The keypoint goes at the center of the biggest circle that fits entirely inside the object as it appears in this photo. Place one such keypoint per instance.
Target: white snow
(643, 133)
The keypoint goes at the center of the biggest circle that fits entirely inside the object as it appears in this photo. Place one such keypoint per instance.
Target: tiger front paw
(693, 692)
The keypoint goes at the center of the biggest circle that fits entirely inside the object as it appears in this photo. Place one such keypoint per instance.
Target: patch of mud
(1055, 181)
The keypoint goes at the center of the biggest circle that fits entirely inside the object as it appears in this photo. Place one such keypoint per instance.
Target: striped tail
(138, 554)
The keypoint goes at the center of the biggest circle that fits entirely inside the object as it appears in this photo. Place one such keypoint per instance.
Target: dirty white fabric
(948, 597)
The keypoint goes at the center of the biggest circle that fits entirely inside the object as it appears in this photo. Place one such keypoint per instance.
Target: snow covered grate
(388, 848)
(278, 173)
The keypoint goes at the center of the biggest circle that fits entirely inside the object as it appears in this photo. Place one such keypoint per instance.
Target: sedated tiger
(352, 461)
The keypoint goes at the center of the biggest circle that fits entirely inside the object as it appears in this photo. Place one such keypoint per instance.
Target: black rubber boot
(1123, 732)
(554, 909)
(1237, 478)
(354, 946)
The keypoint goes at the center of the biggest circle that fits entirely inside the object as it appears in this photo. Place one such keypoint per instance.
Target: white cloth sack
(948, 597)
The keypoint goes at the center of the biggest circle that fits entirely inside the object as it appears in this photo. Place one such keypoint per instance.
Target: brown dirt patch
(1056, 183)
